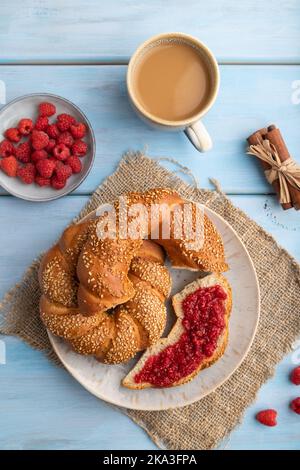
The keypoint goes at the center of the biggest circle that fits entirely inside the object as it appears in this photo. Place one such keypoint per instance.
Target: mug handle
(198, 136)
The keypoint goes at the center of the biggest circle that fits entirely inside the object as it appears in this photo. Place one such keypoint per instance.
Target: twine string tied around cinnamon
(286, 172)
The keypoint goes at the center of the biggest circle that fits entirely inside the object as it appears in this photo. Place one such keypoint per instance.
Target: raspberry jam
(203, 322)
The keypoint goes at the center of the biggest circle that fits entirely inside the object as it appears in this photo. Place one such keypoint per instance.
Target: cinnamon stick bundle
(273, 135)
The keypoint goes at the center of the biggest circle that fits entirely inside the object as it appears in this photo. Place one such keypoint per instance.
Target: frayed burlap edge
(203, 424)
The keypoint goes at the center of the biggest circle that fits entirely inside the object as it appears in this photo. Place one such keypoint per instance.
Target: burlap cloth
(205, 423)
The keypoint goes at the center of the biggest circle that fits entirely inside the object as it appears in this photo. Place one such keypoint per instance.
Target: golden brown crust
(66, 322)
(149, 310)
(102, 271)
(127, 341)
(185, 253)
(97, 340)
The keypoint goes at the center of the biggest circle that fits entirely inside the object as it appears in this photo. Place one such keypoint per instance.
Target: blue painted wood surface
(35, 395)
(109, 30)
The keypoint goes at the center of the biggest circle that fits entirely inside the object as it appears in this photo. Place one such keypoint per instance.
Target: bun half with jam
(197, 340)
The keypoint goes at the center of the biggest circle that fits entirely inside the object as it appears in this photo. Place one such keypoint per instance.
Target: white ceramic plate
(26, 106)
(104, 381)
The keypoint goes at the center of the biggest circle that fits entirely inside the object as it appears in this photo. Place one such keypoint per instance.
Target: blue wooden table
(79, 49)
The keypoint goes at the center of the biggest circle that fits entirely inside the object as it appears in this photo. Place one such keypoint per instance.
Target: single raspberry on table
(53, 131)
(9, 165)
(78, 130)
(295, 405)
(65, 121)
(39, 140)
(65, 138)
(50, 145)
(63, 172)
(46, 109)
(13, 134)
(23, 152)
(61, 152)
(41, 123)
(25, 126)
(79, 148)
(42, 181)
(7, 148)
(27, 173)
(75, 163)
(295, 376)
(38, 155)
(267, 417)
(57, 184)
(45, 168)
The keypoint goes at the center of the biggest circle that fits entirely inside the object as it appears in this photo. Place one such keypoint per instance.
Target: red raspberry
(23, 152)
(41, 123)
(38, 155)
(27, 173)
(50, 146)
(47, 109)
(39, 139)
(64, 121)
(79, 148)
(45, 168)
(295, 405)
(78, 130)
(61, 152)
(25, 126)
(7, 148)
(9, 165)
(42, 181)
(65, 138)
(13, 134)
(267, 417)
(52, 131)
(295, 376)
(63, 172)
(58, 163)
(75, 163)
(57, 184)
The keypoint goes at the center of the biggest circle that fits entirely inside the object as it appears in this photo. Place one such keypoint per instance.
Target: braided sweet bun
(102, 262)
(83, 276)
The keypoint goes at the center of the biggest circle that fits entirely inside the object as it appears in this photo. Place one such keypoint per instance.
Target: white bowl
(27, 106)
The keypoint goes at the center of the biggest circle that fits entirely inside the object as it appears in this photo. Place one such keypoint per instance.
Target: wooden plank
(47, 395)
(43, 407)
(250, 97)
(110, 30)
(31, 228)
(277, 393)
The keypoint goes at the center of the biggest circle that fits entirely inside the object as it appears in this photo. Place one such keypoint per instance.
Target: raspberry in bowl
(49, 144)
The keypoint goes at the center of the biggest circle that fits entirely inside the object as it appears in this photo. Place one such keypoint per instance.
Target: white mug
(193, 127)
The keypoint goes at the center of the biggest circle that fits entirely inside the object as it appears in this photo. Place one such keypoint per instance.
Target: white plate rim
(142, 407)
